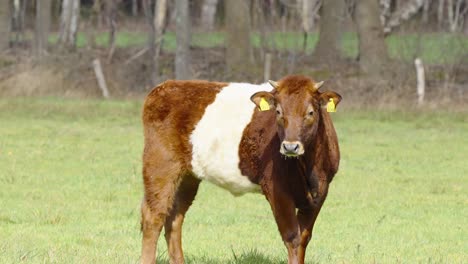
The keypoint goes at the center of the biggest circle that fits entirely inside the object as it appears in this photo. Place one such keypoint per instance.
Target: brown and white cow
(285, 147)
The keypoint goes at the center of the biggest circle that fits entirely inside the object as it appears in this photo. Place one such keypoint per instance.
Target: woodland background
(365, 49)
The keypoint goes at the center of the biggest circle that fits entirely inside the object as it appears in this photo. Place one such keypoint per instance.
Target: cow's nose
(292, 148)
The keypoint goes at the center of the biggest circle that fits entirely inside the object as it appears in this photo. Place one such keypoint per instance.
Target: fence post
(420, 80)
(100, 78)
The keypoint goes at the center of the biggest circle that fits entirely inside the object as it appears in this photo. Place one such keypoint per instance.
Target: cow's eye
(278, 112)
(311, 113)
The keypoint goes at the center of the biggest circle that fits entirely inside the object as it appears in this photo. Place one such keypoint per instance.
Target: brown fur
(170, 114)
(290, 183)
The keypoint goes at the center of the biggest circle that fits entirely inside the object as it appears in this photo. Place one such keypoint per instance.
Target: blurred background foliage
(361, 48)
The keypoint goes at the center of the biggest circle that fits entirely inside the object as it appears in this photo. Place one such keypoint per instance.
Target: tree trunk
(4, 25)
(465, 26)
(69, 23)
(450, 16)
(43, 13)
(93, 24)
(111, 6)
(260, 24)
(405, 12)
(238, 45)
(100, 13)
(160, 11)
(385, 10)
(426, 6)
(440, 13)
(373, 55)
(17, 22)
(208, 14)
(308, 12)
(328, 49)
(182, 59)
(134, 8)
(154, 65)
(160, 22)
(455, 14)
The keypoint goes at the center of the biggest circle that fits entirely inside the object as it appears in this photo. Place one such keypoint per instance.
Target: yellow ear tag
(264, 105)
(331, 106)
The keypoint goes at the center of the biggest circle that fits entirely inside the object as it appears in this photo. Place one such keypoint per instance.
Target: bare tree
(456, 14)
(4, 25)
(154, 65)
(309, 10)
(134, 8)
(92, 24)
(111, 8)
(208, 14)
(160, 17)
(238, 44)
(69, 20)
(160, 21)
(373, 55)
(98, 11)
(440, 13)
(385, 8)
(465, 26)
(331, 26)
(405, 12)
(426, 6)
(43, 12)
(182, 59)
(308, 13)
(17, 19)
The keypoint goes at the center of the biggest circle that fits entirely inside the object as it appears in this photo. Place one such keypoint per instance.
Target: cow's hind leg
(161, 180)
(173, 227)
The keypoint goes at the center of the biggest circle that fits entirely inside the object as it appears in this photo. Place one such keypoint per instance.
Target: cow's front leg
(307, 217)
(285, 215)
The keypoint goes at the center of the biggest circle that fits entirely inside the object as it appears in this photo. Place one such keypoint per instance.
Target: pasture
(71, 187)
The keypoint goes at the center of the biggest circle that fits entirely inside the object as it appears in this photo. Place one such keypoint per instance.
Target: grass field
(71, 187)
(433, 48)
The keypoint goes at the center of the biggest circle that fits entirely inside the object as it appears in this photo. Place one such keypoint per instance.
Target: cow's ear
(263, 100)
(330, 97)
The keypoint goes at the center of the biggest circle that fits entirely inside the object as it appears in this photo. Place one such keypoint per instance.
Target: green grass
(433, 48)
(71, 187)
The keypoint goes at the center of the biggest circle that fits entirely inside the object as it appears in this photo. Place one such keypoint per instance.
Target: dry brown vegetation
(72, 75)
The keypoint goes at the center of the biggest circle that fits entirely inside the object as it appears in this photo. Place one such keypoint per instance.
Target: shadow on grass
(249, 257)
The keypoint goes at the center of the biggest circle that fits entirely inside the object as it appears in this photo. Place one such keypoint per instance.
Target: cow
(275, 138)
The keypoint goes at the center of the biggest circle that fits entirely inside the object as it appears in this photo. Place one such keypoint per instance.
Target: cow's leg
(306, 220)
(173, 226)
(285, 215)
(150, 229)
(161, 176)
(307, 217)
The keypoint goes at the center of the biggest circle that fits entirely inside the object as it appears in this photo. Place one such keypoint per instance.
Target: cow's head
(297, 102)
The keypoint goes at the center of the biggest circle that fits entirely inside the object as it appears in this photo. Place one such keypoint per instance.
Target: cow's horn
(318, 85)
(273, 83)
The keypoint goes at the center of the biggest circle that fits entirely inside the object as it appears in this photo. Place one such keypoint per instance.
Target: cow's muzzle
(292, 148)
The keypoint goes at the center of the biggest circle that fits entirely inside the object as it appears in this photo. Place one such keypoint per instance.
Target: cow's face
(297, 103)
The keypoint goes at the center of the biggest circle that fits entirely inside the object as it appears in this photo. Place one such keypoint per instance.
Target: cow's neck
(323, 153)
